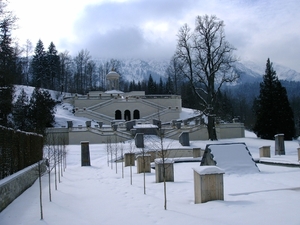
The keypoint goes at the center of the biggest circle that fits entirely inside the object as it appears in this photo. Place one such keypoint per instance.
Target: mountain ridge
(249, 71)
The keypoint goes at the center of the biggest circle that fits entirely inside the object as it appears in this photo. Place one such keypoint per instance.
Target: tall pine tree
(272, 108)
(39, 66)
(41, 111)
(20, 112)
(7, 64)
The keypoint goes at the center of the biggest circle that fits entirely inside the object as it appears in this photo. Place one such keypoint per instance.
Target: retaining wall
(13, 186)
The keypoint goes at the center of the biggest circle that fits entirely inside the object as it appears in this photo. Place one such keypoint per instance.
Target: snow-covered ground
(99, 195)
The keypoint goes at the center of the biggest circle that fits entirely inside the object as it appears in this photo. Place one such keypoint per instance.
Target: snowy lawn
(99, 195)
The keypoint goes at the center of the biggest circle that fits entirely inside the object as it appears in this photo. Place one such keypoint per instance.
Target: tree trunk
(49, 179)
(211, 129)
(40, 185)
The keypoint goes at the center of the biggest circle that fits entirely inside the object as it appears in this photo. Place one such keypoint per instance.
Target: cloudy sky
(147, 28)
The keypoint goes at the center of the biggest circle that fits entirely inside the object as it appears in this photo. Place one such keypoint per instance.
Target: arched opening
(136, 114)
(127, 116)
(118, 115)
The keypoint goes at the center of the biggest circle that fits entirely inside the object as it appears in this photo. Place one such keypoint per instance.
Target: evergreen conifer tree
(272, 108)
(20, 112)
(41, 110)
(53, 66)
(7, 64)
(38, 66)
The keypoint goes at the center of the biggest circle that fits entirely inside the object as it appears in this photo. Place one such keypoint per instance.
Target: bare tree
(131, 150)
(205, 58)
(173, 71)
(122, 158)
(28, 50)
(116, 153)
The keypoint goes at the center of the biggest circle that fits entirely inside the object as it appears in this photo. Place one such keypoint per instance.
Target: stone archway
(136, 114)
(127, 115)
(118, 115)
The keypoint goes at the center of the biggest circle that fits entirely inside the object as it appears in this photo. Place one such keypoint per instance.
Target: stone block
(129, 159)
(208, 184)
(143, 163)
(264, 151)
(160, 166)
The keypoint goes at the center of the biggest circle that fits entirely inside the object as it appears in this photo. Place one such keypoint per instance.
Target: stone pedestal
(160, 165)
(208, 184)
(279, 144)
(143, 163)
(85, 153)
(129, 159)
(265, 151)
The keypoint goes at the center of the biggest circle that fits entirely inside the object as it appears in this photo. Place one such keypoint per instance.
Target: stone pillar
(279, 144)
(160, 165)
(264, 151)
(143, 163)
(208, 184)
(85, 153)
(129, 159)
(139, 140)
(184, 139)
(298, 154)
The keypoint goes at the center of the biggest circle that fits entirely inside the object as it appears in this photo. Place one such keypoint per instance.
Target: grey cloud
(258, 29)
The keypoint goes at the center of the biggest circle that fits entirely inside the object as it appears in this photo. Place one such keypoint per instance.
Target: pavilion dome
(112, 75)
